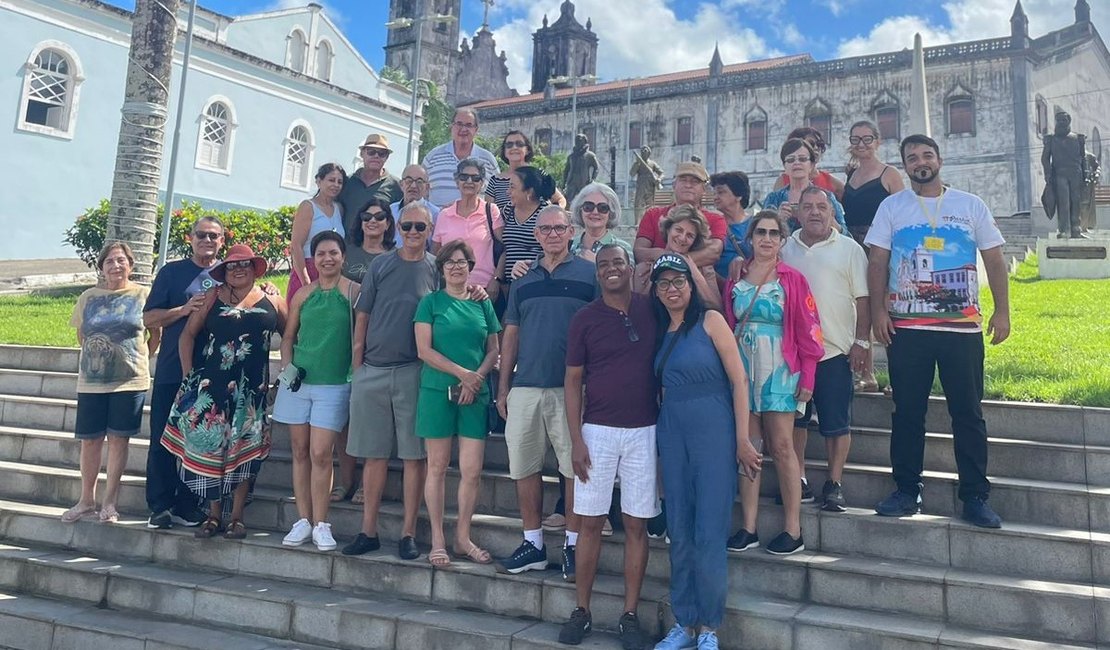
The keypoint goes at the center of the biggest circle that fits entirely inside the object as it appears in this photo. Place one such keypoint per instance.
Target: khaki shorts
(383, 412)
(536, 415)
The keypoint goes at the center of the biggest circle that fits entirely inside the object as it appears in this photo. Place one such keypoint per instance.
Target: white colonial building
(269, 97)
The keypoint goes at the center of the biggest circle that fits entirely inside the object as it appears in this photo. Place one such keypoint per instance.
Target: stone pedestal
(1075, 258)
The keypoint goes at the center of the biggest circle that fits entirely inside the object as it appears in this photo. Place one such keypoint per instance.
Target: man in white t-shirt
(836, 268)
(924, 285)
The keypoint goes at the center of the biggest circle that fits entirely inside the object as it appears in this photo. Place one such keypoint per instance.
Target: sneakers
(300, 533)
(190, 517)
(568, 564)
(578, 627)
(677, 639)
(832, 497)
(363, 543)
(977, 512)
(899, 504)
(554, 523)
(742, 541)
(807, 494)
(525, 558)
(708, 641)
(321, 537)
(629, 632)
(657, 525)
(162, 520)
(784, 544)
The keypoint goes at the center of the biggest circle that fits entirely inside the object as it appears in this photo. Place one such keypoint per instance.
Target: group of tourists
(662, 370)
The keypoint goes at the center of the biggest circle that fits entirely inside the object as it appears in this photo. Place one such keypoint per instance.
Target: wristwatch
(863, 343)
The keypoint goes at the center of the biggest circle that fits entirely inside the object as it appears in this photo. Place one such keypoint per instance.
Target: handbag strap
(748, 312)
(489, 222)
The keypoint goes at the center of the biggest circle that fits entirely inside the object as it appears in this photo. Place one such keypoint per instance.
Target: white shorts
(616, 453)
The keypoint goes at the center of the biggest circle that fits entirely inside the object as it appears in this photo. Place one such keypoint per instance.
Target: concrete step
(34, 357)
(214, 571)
(48, 413)
(38, 383)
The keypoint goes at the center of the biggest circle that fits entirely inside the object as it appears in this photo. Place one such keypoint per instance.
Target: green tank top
(323, 347)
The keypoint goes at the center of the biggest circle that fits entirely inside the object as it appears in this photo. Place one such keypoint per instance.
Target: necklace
(231, 295)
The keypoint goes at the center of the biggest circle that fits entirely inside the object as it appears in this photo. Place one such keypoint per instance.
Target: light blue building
(270, 97)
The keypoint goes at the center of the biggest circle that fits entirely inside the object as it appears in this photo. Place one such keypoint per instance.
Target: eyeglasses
(473, 178)
(771, 233)
(665, 285)
(515, 144)
(457, 264)
(464, 125)
(375, 153)
(376, 216)
(793, 159)
(409, 225)
(212, 236)
(857, 139)
(239, 264)
(633, 337)
(560, 229)
(409, 180)
(600, 208)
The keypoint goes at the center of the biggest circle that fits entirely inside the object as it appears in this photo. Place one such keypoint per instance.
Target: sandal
(475, 554)
(888, 390)
(339, 493)
(358, 498)
(109, 514)
(78, 512)
(236, 530)
(867, 386)
(439, 558)
(209, 528)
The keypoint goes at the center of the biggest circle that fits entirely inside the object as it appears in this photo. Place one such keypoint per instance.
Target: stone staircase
(929, 581)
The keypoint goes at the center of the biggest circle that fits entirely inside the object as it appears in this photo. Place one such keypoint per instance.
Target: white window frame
(306, 170)
(76, 77)
(327, 59)
(229, 143)
(290, 50)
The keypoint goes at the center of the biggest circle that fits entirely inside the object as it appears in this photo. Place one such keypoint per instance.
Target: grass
(1058, 350)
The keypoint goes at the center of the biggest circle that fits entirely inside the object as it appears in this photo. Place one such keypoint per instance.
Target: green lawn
(1058, 350)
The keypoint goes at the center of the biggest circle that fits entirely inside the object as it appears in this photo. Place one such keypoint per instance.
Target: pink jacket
(803, 344)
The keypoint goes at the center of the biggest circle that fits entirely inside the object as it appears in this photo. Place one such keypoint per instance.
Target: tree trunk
(134, 211)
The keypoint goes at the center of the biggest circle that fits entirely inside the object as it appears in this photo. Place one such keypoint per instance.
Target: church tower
(439, 40)
(565, 48)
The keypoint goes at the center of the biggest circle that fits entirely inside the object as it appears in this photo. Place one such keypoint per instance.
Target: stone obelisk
(919, 94)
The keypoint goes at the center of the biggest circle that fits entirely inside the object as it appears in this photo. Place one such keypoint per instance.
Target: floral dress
(771, 385)
(218, 426)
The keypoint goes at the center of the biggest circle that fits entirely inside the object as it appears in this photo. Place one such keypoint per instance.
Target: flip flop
(358, 499)
(209, 528)
(78, 512)
(338, 493)
(439, 558)
(109, 515)
(236, 530)
(475, 554)
(871, 386)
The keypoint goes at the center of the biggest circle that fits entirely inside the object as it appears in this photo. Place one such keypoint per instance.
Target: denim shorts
(833, 389)
(114, 414)
(319, 406)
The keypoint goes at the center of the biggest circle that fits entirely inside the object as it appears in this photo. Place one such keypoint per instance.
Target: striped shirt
(497, 189)
(441, 163)
(519, 238)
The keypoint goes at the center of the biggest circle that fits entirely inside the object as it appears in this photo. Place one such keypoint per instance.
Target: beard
(924, 175)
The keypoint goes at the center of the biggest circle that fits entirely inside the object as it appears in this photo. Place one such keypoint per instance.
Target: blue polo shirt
(542, 305)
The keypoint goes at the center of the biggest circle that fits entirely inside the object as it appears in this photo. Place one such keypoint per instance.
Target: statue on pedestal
(581, 169)
(1087, 216)
(649, 177)
(1064, 162)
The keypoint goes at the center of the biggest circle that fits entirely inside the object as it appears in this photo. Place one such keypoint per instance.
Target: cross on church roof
(485, 10)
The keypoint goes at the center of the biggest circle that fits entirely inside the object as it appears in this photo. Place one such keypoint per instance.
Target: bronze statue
(1087, 210)
(581, 169)
(1064, 171)
(649, 177)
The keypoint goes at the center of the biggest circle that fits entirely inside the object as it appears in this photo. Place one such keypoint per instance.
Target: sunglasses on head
(207, 235)
(409, 225)
(376, 216)
(600, 208)
(473, 178)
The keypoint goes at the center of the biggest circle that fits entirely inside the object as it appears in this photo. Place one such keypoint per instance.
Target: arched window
(217, 124)
(959, 112)
(324, 57)
(1094, 145)
(297, 160)
(887, 114)
(1042, 116)
(51, 80)
(298, 44)
(755, 124)
(819, 117)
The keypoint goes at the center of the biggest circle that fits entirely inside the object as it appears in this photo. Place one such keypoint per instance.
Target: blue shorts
(114, 414)
(319, 406)
(833, 390)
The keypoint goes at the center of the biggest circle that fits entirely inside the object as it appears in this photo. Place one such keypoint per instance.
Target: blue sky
(642, 37)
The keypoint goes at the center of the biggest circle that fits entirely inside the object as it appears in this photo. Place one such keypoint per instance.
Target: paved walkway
(21, 275)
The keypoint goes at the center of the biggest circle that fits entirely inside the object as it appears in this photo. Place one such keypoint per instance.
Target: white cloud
(657, 41)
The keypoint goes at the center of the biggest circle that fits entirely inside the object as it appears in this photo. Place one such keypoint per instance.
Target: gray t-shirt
(391, 289)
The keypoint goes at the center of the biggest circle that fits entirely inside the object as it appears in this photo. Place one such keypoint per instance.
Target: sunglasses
(409, 180)
(633, 337)
(773, 233)
(213, 236)
(600, 208)
(419, 225)
(515, 144)
(457, 264)
(473, 178)
(665, 285)
(376, 216)
(375, 153)
(238, 264)
(547, 230)
(793, 159)
(865, 139)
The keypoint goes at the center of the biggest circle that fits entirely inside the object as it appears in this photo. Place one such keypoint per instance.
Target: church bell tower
(439, 40)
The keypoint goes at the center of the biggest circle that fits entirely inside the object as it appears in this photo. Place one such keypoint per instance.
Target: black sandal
(209, 528)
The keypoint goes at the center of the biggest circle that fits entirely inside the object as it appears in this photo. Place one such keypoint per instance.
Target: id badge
(934, 243)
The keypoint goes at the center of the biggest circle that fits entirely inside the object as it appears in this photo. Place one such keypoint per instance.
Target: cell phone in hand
(454, 393)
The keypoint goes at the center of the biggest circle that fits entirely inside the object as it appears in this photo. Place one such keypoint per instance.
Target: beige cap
(690, 168)
(376, 141)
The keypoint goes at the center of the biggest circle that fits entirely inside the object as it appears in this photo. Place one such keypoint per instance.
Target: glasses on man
(560, 229)
(457, 264)
(211, 236)
(515, 144)
(770, 233)
(375, 153)
(633, 337)
(473, 178)
(463, 125)
(861, 139)
(409, 180)
(665, 284)
(789, 160)
(239, 264)
(409, 225)
(375, 216)
(600, 208)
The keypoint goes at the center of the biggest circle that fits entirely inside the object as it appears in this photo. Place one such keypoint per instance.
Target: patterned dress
(218, 426)
(771, 385)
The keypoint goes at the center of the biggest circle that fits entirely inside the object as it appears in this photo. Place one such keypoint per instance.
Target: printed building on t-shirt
(919, 288)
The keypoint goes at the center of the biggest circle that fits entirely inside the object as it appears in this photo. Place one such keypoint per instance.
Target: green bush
(267, 233)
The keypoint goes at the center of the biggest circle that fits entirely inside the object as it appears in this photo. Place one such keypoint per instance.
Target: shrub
(267, 233)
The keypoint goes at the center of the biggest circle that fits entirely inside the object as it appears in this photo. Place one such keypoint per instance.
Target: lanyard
(932, 217)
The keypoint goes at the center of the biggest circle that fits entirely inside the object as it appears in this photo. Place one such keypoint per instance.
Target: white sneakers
(302, 531)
